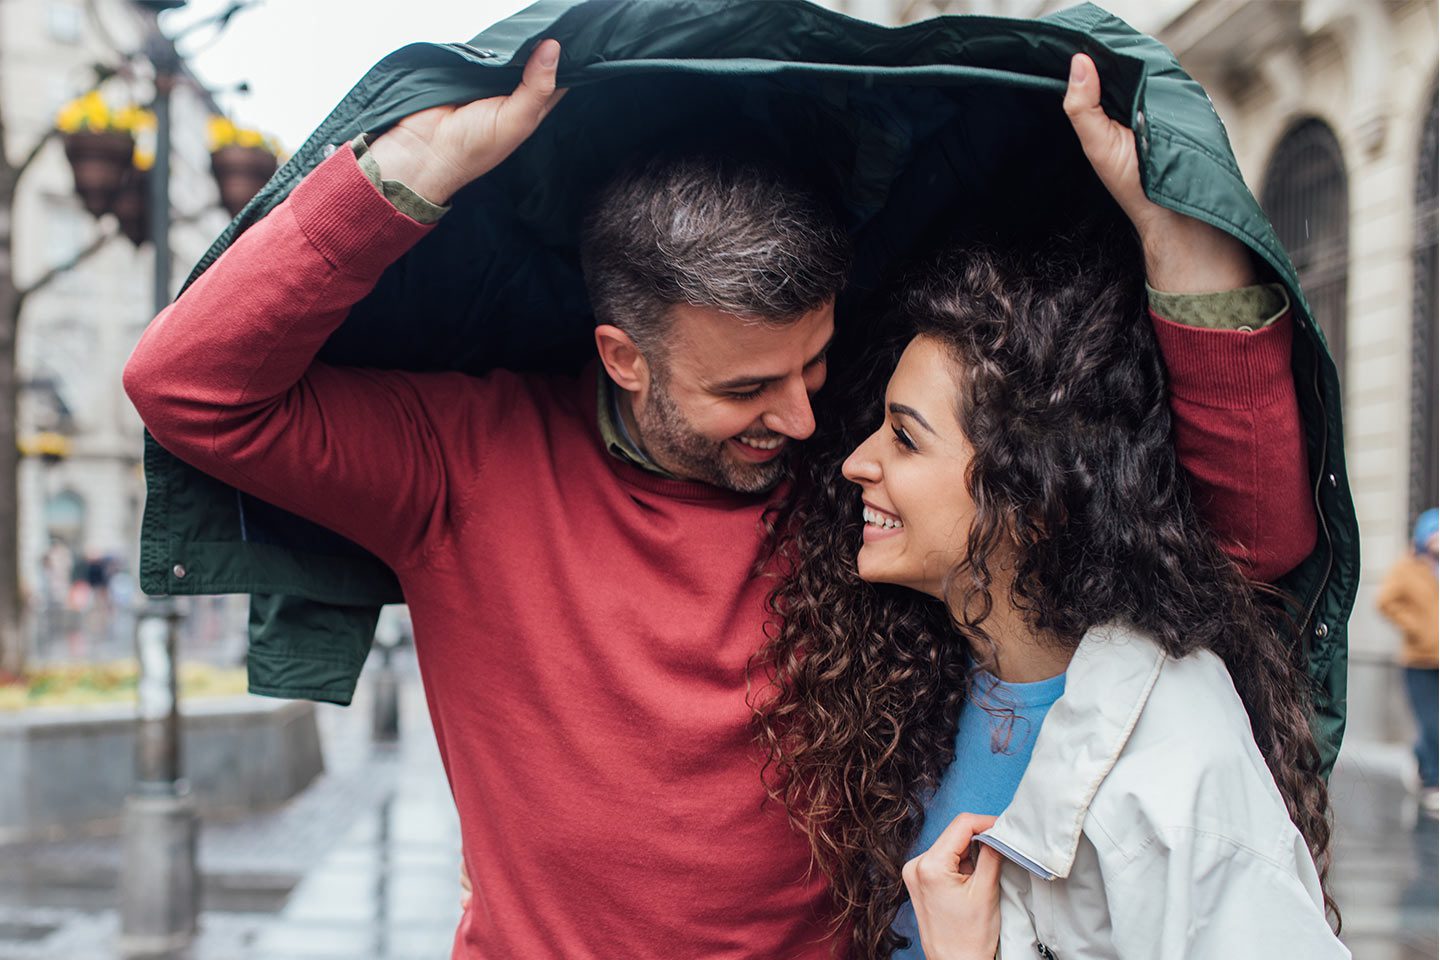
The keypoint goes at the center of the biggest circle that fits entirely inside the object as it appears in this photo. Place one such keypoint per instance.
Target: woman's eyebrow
(913, 414)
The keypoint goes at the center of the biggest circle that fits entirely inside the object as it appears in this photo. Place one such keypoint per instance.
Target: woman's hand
(957, 899)
(1182, 254)
(436, 152)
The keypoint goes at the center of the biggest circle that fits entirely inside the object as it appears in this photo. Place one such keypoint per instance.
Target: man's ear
(621, 358)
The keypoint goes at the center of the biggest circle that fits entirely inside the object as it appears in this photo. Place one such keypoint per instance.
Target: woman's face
(911, 474)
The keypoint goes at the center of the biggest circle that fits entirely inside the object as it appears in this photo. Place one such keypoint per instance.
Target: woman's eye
(902, 438)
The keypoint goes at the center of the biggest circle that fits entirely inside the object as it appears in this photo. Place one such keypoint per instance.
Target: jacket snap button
(1331, 478)
(179, 571)
(1322, 631)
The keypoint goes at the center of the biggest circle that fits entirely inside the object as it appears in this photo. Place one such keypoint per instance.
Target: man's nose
(793, 416)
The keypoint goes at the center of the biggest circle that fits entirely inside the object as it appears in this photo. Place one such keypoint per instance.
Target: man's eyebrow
(913, 414)
(736, 383)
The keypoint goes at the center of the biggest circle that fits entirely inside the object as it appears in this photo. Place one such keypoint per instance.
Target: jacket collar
(1106, 687)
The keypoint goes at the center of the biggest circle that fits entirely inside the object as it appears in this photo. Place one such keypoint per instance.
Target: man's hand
(436, 152)
(1182, 254)
(957, 901)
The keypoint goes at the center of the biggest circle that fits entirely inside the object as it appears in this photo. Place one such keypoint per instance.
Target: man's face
(730, 396)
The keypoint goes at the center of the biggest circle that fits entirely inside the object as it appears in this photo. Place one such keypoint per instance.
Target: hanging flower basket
(99, 160)
(242, 160)
(240, 172)
(99, 143)
(132, 206)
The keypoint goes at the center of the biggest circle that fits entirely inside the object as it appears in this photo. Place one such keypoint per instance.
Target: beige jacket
(1410, 598)
(1148, 826)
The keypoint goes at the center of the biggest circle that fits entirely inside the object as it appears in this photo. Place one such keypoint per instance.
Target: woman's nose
(861, 466)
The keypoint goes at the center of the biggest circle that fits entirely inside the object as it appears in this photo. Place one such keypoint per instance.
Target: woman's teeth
(761, 444)
(877, 519)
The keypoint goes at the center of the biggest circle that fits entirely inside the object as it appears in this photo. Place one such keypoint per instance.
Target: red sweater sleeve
(1238, 434)
(226, 377)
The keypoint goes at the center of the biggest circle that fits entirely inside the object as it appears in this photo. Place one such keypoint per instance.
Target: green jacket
(922, 131)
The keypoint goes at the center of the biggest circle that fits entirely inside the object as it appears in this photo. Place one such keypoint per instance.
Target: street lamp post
(160, 884)
(159, 890)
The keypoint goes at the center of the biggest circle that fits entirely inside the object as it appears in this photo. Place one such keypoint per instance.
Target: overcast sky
(301, 56)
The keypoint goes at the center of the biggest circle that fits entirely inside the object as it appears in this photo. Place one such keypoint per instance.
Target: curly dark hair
(1062, 394)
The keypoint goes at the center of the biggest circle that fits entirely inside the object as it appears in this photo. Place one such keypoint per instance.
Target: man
(579, 557)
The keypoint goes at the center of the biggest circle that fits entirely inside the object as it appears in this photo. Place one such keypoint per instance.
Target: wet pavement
(1384, 877)
(364, 863)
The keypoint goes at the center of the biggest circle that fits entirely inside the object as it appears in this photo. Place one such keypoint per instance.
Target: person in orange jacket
(1410, 598)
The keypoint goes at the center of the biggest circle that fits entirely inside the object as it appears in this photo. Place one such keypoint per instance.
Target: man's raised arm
(226, 378)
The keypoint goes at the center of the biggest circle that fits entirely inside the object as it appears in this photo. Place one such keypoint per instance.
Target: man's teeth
(877, 519)
(761, 444)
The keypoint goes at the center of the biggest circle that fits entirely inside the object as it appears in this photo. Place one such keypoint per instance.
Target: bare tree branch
(34, 152)
(80, 256)
(97, 23)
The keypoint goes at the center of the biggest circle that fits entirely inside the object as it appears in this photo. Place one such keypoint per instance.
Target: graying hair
(711, 232)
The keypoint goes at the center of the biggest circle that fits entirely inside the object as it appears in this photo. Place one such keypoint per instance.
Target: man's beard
(674, 444)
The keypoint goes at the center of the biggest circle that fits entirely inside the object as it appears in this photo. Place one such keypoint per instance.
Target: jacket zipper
(1305, 629)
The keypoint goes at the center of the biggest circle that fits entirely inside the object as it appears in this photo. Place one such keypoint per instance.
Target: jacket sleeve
(1238, 434)
(1195, 895)
(226, 377)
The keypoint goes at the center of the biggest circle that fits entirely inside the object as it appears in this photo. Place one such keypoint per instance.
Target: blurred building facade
(77, 332)
(1331, 110)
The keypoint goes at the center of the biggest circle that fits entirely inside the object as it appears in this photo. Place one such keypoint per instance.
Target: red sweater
(582, 626)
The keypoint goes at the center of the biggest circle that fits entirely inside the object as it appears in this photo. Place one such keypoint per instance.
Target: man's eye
(746, 395)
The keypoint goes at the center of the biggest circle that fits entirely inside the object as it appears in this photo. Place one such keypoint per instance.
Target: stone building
(1331, 110)
(76, 333)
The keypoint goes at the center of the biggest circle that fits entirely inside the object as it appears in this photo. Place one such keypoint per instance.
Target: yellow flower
(70, 118)
(133, 118)
(220, 132)
(143, 159)
(91, 112)
(224, 132)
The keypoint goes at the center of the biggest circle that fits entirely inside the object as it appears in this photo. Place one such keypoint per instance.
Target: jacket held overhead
(947, 126)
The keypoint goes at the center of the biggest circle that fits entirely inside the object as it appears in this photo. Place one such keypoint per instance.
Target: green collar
(613, 431)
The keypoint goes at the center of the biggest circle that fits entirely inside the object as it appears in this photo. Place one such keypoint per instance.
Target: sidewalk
(363, 864)
(1385, 873)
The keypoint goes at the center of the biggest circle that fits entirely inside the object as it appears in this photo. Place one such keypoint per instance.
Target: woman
(1028, 552)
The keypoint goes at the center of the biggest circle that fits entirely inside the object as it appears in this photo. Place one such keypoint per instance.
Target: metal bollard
(385, 720)
(159, 884)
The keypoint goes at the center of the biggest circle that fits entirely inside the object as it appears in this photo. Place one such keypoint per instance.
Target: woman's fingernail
(550, 55)
(1074, 69)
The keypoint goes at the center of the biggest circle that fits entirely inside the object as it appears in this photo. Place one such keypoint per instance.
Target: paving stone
(364, 864)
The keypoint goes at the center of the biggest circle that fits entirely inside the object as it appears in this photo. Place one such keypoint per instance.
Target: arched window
(1307, 197)
(65, 517)
(1424, 385)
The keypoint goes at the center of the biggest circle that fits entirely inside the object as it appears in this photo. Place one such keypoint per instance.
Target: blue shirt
(991, 754)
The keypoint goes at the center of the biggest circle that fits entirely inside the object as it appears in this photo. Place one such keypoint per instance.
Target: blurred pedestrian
(1410, 598)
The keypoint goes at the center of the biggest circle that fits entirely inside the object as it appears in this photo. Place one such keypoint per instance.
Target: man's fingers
(536, 95)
